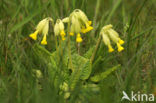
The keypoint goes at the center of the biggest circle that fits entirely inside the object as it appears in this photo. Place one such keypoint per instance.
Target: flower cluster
(108, 34)
(42, 28)
(59, 29)
(78, 24)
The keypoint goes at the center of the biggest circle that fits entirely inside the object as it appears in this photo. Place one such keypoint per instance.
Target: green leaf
(82, 69)
(75, 77)
(82, 64)
(50, 60)
(89, 53)
(41, 50)
(103, 75)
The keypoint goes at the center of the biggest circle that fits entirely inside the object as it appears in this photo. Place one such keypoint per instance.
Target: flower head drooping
(84, 21)
(79, 23)
(59, 29)
(106, 40)
(42, 28)
(108, 33)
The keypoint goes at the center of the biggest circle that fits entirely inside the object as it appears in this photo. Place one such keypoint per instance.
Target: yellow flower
(83, 31)
(108, 33)
(44, 41)
(63, 35)
(43, 28)
(90, 22)
(45, 32)
(78, 23)
(78, 38)
(121, 41)
(110, 49)
(120, 48)
(71, 34)
(59, 29)
(83, 21)
(106, 40)
(34, 35)
(87, 29)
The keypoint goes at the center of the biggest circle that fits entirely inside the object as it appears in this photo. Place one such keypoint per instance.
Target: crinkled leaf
(82, 69)
(103, 75)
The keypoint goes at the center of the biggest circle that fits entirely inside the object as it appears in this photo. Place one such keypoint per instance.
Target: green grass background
(134, 20)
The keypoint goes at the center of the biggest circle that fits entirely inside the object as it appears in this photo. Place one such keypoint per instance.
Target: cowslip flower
(42, 28)
(79, 23)
(78, 38)
(59, 29)
(109, 34)
(84, 21)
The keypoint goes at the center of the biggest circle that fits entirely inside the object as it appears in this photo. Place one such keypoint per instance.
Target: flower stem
(69, 49)
(96, 48)
(78, 45)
